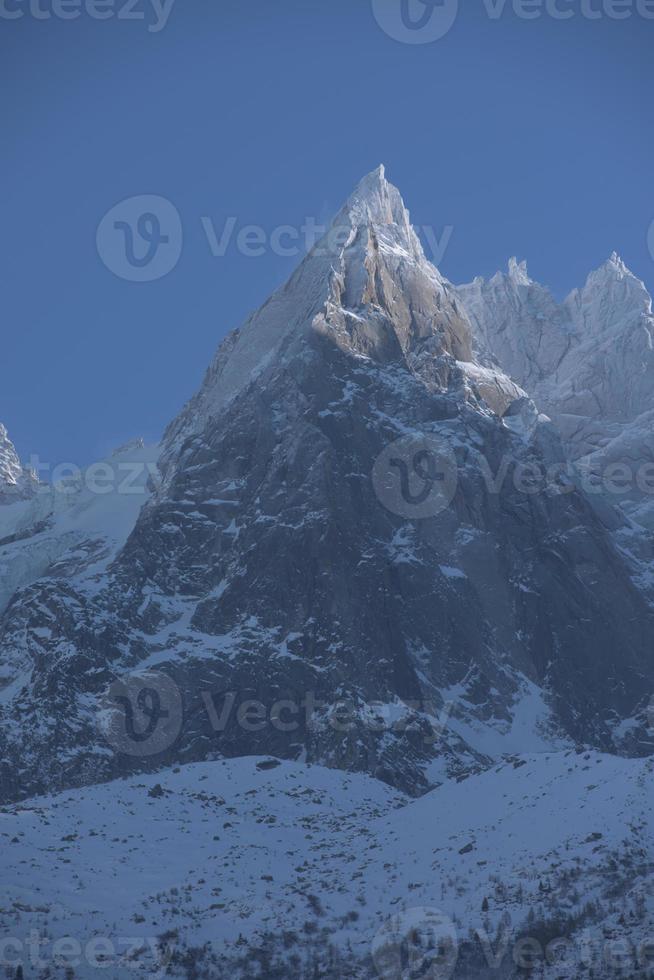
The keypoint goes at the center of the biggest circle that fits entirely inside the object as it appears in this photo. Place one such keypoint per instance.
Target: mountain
(341, 526)
(350, 676)
(17, 482)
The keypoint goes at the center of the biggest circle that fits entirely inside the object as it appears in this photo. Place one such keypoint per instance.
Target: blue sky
(528, 137)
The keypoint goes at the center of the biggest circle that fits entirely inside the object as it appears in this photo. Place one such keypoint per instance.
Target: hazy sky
(528, 137)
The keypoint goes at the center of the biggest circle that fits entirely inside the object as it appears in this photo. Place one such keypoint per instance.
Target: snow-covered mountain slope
(342, 517)
(101, 504)
(70, 530)
(17, 482)
(247, 867)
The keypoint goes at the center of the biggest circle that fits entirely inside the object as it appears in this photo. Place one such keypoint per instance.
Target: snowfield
(213, 862)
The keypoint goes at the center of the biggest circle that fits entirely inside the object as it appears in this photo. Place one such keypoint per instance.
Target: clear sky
(531, 137)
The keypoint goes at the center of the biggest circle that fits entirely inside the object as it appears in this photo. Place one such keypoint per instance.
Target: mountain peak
(614, 264)
(378, 204)
(366, 284)
(10, 468)
(16, 481)
(613, 268)
(377, 201)
(375, 178)
(614, 275)
(371, 187)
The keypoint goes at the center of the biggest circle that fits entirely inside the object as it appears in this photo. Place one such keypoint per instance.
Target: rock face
(17, 482)
(362, 519)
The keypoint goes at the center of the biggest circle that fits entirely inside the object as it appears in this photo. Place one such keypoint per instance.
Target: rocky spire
(612, 298)
(518, 272)
(377, 203)
(366, 285)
